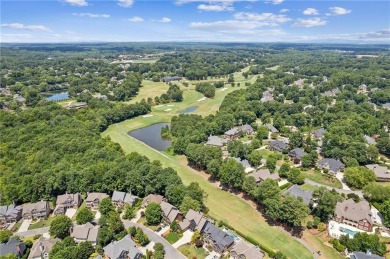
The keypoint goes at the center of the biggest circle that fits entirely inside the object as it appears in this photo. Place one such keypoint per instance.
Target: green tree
(141, 237)
(106, 206)
(295, 176)
(358, 177)
(326, 203)
(268, 189)
(153, 213)
(249, 185)
(84, 250)
(60, 226)
(83, 216)
(105, 236)
(129, 213)
(255, 157)
(262, 133)
(271, 162)
(385, 210)
(232, 174)
(284, 170)
(189, 203)
(213, 167)
(5, 235)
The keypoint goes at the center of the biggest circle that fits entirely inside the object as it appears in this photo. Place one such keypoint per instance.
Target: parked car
(158, 229)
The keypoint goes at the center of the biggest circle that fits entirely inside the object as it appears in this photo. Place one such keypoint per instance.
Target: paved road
(170, 251)
(358, 193)
(32, 232)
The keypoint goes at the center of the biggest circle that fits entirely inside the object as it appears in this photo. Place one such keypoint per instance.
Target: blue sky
(194, 20)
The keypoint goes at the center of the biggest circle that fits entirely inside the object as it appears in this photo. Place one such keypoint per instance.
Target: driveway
(163, 230)
(170, 251)
(70, 212)
(98, 215)
(25, 224)
(212, 254)
(340, 177)
(33, 232)
(186, 238)
(137, 216)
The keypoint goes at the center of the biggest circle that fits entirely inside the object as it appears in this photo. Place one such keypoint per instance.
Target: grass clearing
(41, 223)
(172, 237)
(145, 61)
(322, 178)
(307, 187)
(318, 244)
(190, 251)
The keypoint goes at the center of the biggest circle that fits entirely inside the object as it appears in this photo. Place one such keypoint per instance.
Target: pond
(189, 109)
(151, 136)
(57, 96)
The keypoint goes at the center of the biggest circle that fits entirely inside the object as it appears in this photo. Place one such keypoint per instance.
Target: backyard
(191, 252)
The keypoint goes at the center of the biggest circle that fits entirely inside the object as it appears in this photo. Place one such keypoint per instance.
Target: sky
(357, 21)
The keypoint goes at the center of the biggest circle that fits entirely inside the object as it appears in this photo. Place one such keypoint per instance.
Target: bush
(153, 213)
(83, 216)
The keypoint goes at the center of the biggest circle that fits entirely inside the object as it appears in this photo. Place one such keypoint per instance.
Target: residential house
(331, 93)
(10, 213)
(362, 89)
(296, 155)
(170, 213)
(121, 198)
(86, 232)
(244, 163)
(232, 133)
(247, 129)
(264, 174)
(216, 141)
(332, 165)
(386, 106)
(169, 79)
(318, 133)
(367, 255)
(36, 210)
(194, 220)
(218, 239)
(278, 146)
(122, 249)
(41, 248)
(13, 246)
(66, 201)
(297, 192)
(267, 96)
(354, 214)
(93, 199)
(381, 172)
(152, 198)
(76, 106)
(245, 250)
(370, 140)
(272, 129)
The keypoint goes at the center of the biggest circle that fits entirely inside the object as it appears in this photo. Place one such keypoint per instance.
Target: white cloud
(20, 26)
(92, 15)
(136, 19)
(163, 20)
(215, 7)
(269, 18)
(284, 10)
(312, 22)
(274, 1)
(125, 3)
(311, 11)
(77, 2)
(228, 25)
(338, 11)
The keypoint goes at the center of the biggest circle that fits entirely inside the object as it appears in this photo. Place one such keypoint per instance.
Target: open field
(145, 61)
(223, 205)
(322, 178)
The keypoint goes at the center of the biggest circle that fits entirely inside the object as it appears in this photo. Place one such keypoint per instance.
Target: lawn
(318, 244)
(191, 252)
(222, 205)
(308, 187)
(17, 225)
(172, 237)
(265, 153)
(41, 223)
(322, 178)
(142, 221)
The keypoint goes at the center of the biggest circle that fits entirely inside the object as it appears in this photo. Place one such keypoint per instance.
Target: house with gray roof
(297, 192)
(65, 201)
(382, 172)
(272, 129)
(10, 213)
(277, 145)
(194, 220)
(86, 232)
(93, 199)
(332, 165)
(219, 240)
(216, 141)
(169, 79)
(170, 213)
(264, 174)
(356, 214)
(122, 249)
(244, 163)
(152, 198)
(245, 250)
(36, 210)
(13, 246)
(41, 248)
(232, 133)
(362, 255)
(267, 96)
(296, 155)
(370, 140)
(247, 129)
(119, 199)
(331, 93)
(318, 133)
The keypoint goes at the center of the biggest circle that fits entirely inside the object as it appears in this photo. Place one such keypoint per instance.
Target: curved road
(358, 193)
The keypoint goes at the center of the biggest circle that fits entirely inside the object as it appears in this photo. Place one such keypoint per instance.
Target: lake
(190, 109)
(57, 96)
(151, 136)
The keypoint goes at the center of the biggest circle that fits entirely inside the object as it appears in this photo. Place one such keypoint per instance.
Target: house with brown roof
(296, 155)
(277, 146)
(216, 141)
(382, 172)
(152, 198)
(36, 210)
(232, 133)
(170, 213)
(66, 201)
(93, 199)
(119, 199)
(41, 248)
(354, 214)
(247, 129)
(10, 213)
(194, 220)
(86, 232)
(245, 250)
(264, 174)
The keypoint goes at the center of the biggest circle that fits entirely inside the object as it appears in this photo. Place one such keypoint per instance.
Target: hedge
(285, 186)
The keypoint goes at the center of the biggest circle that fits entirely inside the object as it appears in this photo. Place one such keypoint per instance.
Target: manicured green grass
(265, 153)
(17, 225)
(308, 187)
(150, 89)
(41, 223)
(326, 251)
(172, 237)
(384, 183)
(191, 252)
(222, 205)
(322, 178)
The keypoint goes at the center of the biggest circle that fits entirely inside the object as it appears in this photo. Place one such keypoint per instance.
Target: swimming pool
(349, 232)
